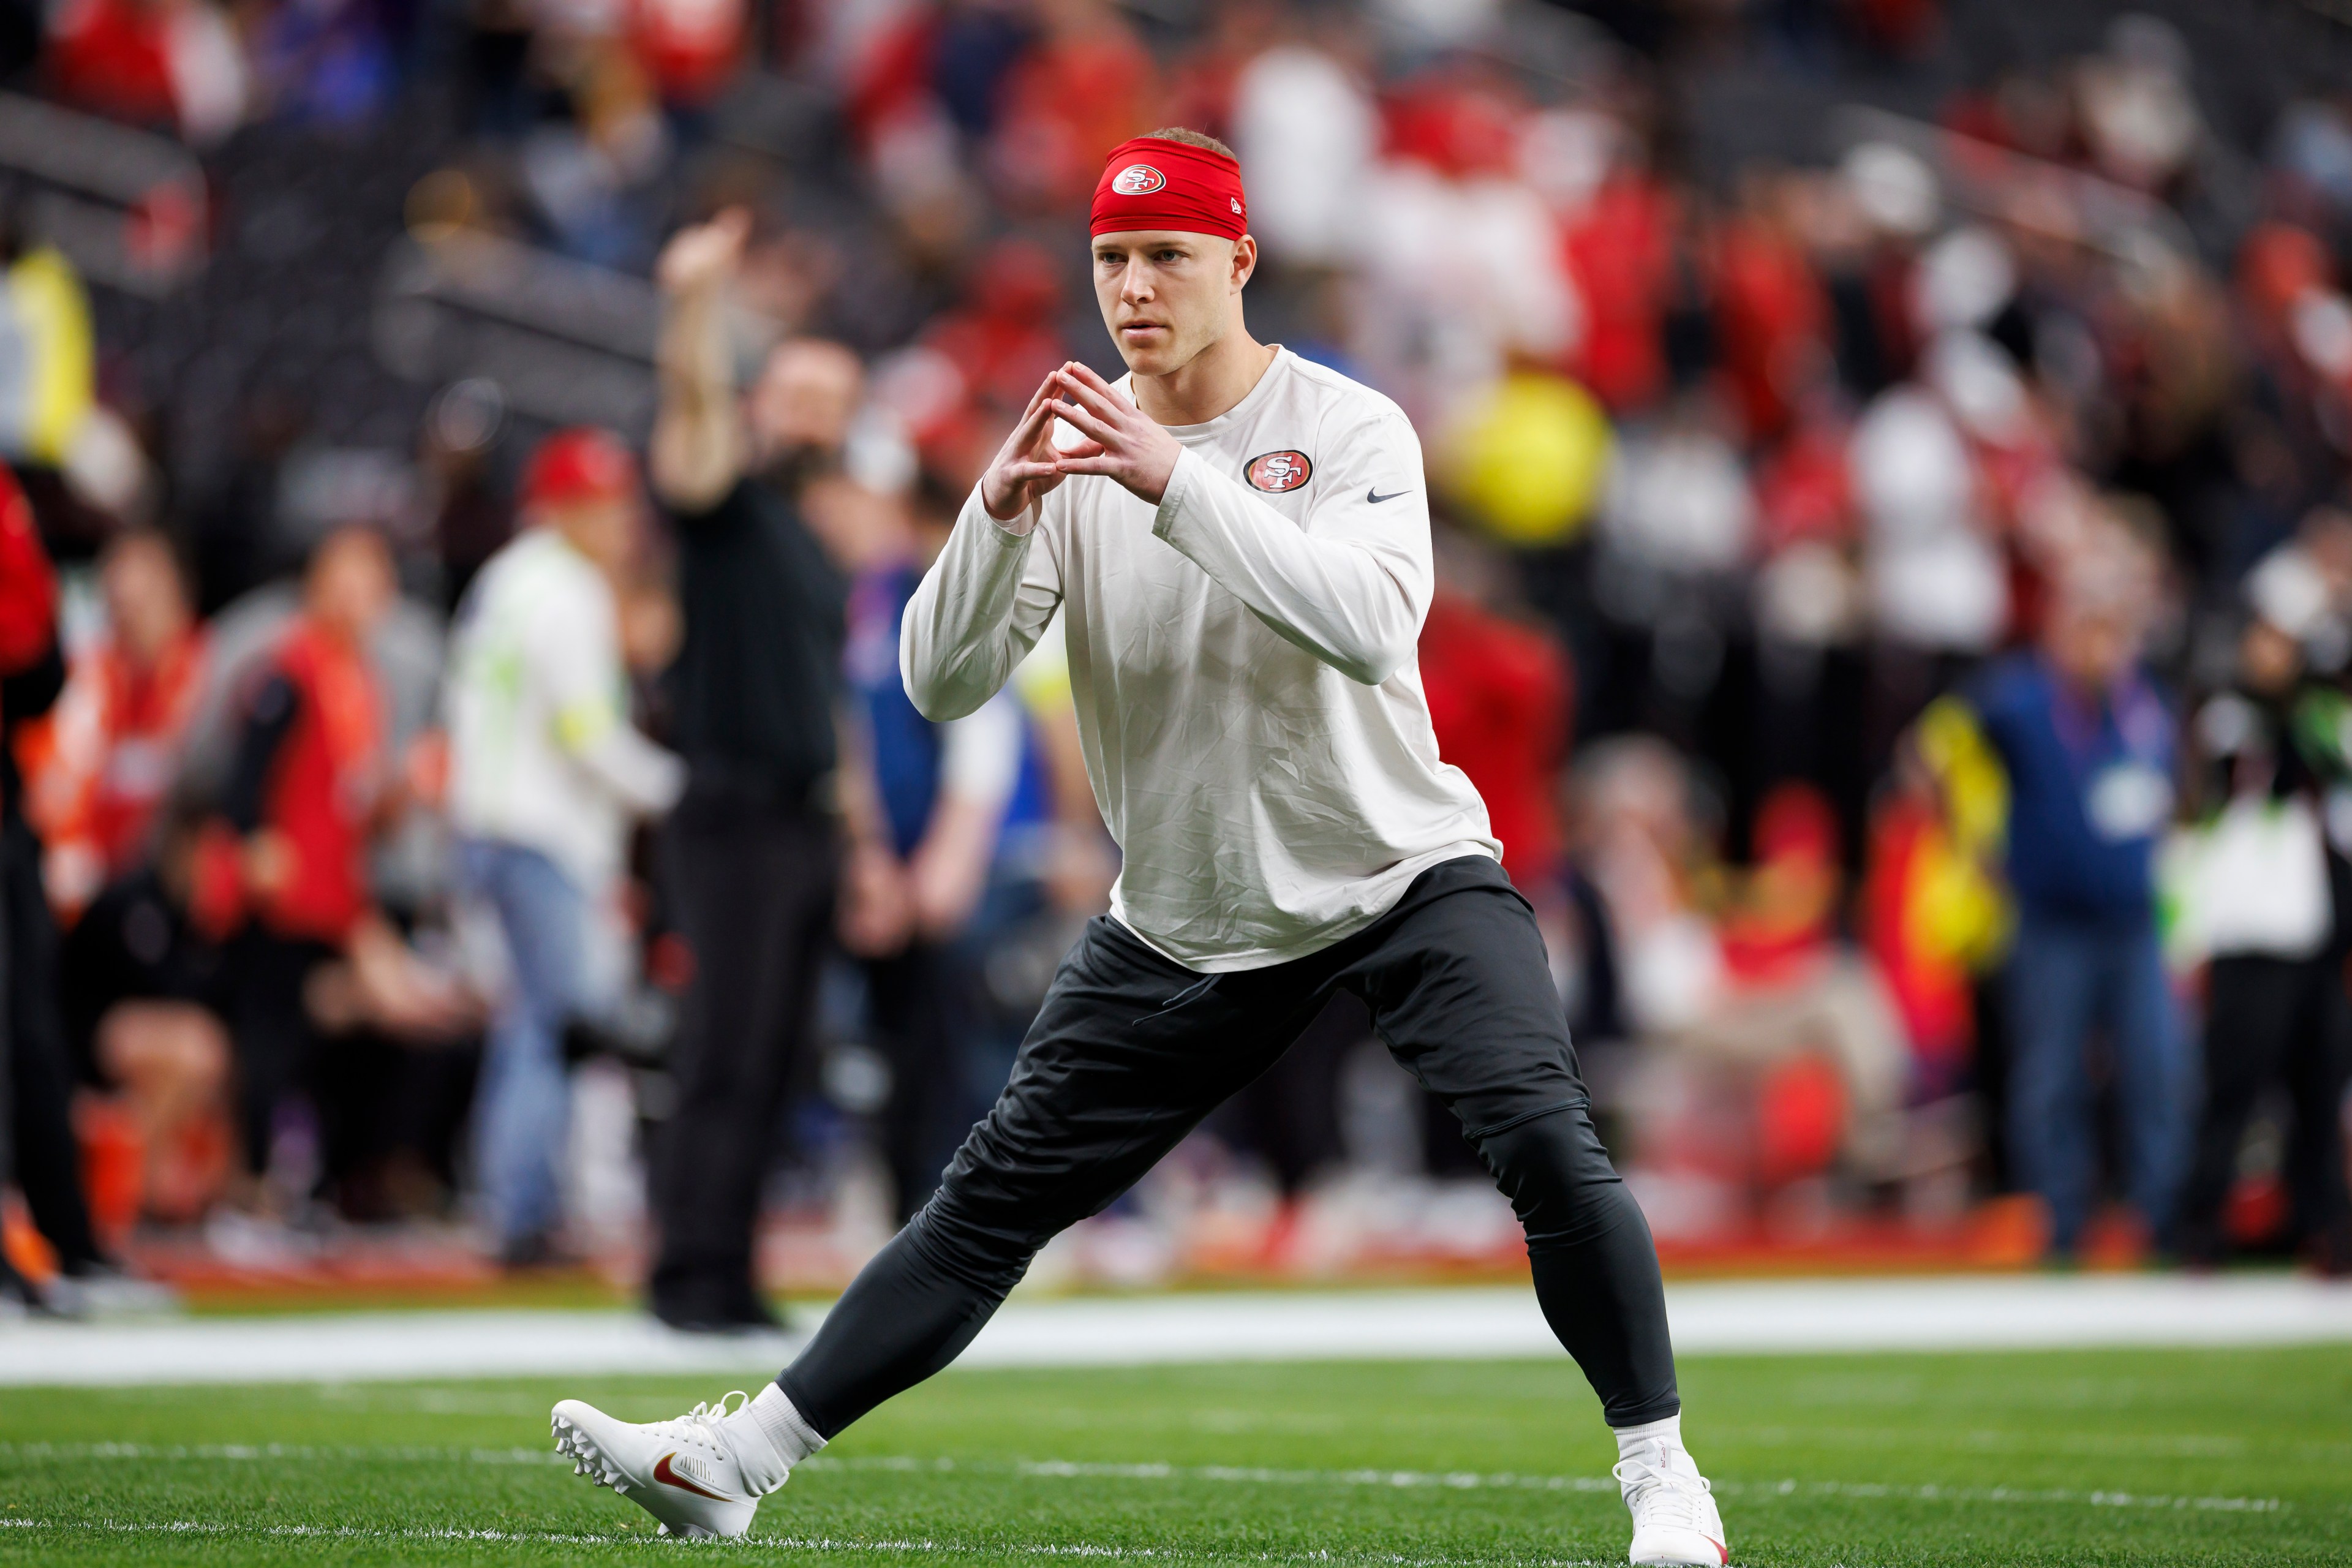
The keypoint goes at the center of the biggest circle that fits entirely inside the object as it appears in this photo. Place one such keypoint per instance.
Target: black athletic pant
(277, 1047)
(2273, 1020)
(1129, 1051)
(752, 887)
(39, 1065)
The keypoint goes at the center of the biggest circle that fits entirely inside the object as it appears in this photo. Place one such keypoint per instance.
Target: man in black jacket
(751, 848)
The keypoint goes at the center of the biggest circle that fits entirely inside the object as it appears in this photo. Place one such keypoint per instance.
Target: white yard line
(1079, 1470)
(761, 1544)
(2010, 1312)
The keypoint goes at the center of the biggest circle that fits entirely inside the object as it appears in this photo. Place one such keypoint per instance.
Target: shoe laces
(1660, 1494)
(699, 1426)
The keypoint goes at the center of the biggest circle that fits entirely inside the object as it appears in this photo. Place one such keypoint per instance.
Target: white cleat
(1675, 1517)
(685, 1472)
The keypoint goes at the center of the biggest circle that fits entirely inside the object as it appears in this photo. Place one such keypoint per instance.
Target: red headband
(1152, 182)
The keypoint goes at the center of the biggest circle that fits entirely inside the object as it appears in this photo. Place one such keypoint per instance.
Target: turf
(2121, 1457)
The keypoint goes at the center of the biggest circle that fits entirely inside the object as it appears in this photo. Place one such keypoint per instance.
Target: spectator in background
(2264, 897)
(38, 1129)
(753, 846)
(546, 771)
(1498, 694)
(303, 798)
(142, 991)
(2087, 742)
(1932, 912)
(172, 64)
(131, 980)
(114, 740)
(949, 799)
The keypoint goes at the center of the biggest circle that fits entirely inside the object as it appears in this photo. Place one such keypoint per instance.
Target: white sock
(1666, 1432)
(771, 1437)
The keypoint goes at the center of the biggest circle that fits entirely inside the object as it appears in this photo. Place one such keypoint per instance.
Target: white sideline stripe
(2009, 1312)
(1079, 1470)
(762, 1543)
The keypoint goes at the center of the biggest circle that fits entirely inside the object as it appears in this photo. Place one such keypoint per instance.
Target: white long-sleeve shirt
(542, 750)
(1242, 661)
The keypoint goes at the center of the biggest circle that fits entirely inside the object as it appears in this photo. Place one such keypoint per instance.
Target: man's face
(349, 585)
(604, 530)
(1166, 295)
(145, 603)
(2092, 646)
(805, 397)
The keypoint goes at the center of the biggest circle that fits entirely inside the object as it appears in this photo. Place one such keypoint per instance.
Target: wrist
(1156, 484)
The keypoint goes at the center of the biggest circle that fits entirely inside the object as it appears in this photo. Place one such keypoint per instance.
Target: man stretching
(1238, 544)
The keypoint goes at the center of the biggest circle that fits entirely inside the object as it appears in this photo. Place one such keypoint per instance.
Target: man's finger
(1103, 463)
(1044, 392)
(1084, 449)
(1103, 405)
(1021, 473)
(1085, 422)
(1093, 377)
(1039, 415)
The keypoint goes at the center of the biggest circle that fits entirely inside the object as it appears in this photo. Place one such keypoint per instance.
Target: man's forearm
(697, 442)
(961, 638)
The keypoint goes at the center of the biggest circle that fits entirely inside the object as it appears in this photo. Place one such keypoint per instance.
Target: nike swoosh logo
(669, 1478)
(1374, 496)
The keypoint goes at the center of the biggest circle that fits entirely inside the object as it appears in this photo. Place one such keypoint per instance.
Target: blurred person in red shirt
(113, 742)
(1500, 696)
(689, 47)
(35, 1090)
(173, 63)
(1771, 314)
(131, 983)
(1621, 252)
(1004, 337)
(1088, 84)
(302, 802)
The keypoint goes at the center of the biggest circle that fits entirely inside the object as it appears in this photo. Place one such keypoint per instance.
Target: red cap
(1151, 183)
(581, 464)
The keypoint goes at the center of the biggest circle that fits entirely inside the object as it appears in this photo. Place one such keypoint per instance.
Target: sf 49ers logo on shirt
(1137, 180)
(1279, 471)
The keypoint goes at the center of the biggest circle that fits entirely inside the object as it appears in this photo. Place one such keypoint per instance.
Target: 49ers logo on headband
(1154, 183)
(1279, 471)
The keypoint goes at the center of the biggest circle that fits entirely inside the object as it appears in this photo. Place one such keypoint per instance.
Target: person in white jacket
(1237, 544)
(546, 774)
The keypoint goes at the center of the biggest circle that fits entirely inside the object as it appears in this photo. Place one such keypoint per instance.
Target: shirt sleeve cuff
(1024, 523)
(1181, 480)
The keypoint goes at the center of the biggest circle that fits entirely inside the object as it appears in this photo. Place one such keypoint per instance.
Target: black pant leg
(914, 1000)
(1129, 1052)
(269, 1029)
(754, 890)
(2316, 1061)
(1461, 991)
(47, 1157)
(2251, 1007)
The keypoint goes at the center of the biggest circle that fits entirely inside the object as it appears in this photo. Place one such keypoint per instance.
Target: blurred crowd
(1895, 601)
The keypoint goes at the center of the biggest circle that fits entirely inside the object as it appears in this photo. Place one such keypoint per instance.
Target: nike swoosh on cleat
(1374, 496)
(669, 1478)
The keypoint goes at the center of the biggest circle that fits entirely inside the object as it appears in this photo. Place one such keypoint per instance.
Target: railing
(128, 208)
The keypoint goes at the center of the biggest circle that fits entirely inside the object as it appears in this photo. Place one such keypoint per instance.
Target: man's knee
(978, 1249)
(1558, 1178)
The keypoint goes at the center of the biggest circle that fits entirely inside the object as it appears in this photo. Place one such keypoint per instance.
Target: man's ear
(1244, 258)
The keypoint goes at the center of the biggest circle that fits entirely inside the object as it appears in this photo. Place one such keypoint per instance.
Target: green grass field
(2108, 1457)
